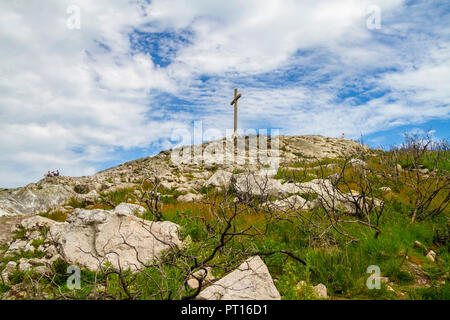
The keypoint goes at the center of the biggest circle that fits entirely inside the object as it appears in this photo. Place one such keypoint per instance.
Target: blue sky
(136, 72)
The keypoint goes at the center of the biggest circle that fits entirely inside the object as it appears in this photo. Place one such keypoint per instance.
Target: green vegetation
(337, 247)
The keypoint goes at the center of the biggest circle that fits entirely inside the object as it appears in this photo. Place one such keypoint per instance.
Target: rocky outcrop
(92, 238)
(219, 178)
(190, 197)
(34, 199)
(294, 202)
(250, 281)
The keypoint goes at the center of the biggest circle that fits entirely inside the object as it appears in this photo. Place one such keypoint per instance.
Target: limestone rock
(219, 178)
(129, 209)
(294, 202)
(257, 185)
(357, 163)
(10, 267)
(190, 197)
(37, 222)
(93, 237)
(208, 277)
(250, 281)
(34, 199)
(431, 255)
(321, 291)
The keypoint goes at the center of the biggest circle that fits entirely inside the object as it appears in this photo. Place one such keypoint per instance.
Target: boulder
(190, 197)
(208, 277)
(257, 185)
(129, 209)
(92, 238)
(250, 281)
(37, 222)
(34, 199)
(10, 267)
(431, 255)
(357, 163)
(320, 291)
(294, 202)
(219, 178)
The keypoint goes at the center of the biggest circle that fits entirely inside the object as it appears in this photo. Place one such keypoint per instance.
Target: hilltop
(184, 177)
(302, 217)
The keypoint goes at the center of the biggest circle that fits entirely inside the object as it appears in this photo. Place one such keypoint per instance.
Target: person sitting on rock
(57, 173)
(48, 174)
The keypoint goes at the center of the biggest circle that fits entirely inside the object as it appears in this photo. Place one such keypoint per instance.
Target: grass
(331, 260)
(58, 216)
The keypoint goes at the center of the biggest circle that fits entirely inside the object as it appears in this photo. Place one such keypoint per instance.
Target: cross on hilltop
(235, 102)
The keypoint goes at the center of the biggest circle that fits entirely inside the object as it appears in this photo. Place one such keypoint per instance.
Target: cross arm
(235, 99)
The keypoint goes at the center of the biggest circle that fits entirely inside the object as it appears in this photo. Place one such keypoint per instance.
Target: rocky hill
(288, 218)
(186, 177)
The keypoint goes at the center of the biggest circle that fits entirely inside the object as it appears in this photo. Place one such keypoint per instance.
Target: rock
(193, 283)
(399, 167)
(16, 292)
(129, 209)
(293, 203)
(219, 178)
(33, 199)
(431, 255)
(4, 213)
(24, 265)
(385, 189)
(321, 291)
(93, 237)
(357, 163)
(250, 281)
(389, 288)
(418, 244)
(88, 198)
(82, 188)
(190, 197)
(257, 185)
(37, 222)
(17, 245)
(10, 267)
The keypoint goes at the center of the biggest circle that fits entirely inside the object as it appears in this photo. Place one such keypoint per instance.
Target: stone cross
(235, 101)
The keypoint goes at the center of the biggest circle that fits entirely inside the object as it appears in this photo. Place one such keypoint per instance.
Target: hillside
(306, 222)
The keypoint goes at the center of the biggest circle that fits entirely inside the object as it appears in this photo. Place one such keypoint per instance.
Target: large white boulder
(250, 281)
(129, 209)
(257, 185)
(294, 202)
(189, 197)
(92, 238)
(34, 199)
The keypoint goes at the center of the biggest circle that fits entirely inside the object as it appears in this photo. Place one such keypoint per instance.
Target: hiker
(48, 174)
(57, 173)
(342, 137)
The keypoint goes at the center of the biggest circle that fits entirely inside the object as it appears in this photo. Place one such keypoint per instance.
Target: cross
(235, 101)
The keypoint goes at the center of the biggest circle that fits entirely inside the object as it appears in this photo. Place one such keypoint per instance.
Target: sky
(87, 85)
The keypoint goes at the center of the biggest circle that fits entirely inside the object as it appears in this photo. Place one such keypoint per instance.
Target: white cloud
(71, 98)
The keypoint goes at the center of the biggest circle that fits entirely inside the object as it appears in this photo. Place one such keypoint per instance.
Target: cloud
(81, 100)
